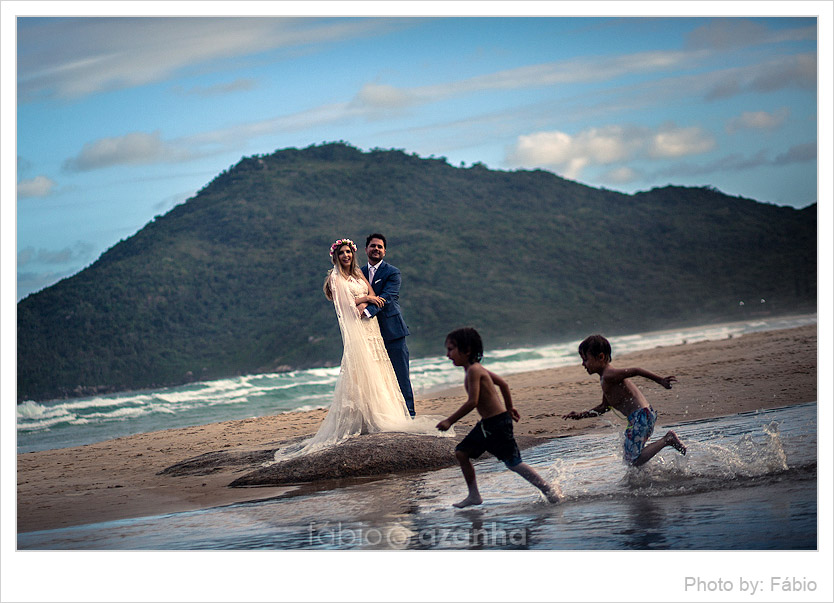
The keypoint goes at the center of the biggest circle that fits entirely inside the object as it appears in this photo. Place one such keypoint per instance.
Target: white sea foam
(44, 424)
(324, 372)
(237, 398)
(80, 420)
(31, 410)
(119, 413)
(306, 407)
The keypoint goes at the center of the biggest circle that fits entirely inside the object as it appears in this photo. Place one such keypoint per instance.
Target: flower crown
(339, 243)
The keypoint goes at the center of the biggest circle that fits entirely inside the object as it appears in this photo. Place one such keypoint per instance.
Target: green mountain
(229, 282)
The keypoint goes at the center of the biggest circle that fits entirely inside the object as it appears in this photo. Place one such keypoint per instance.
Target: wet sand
(121, 478)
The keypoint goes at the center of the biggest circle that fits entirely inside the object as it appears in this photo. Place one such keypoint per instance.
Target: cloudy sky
(121, 118)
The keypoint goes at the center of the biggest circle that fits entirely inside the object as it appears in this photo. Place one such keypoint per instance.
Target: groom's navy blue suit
(386, 284)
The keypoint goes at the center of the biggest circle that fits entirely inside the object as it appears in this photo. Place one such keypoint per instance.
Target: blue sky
(119, 119)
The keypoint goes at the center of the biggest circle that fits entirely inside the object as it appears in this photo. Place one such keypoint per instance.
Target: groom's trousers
(398, 353)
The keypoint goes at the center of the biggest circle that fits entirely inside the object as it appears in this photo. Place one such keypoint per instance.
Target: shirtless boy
(621, 395)
(494, 432)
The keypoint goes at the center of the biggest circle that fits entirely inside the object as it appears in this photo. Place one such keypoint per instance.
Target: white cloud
(729, 163)
(142, 148)
(375, 97)
(797, 154)
(238, 85)
(549, 149)
(620, 175)
(594, 69)
(133, 149)
(758, 120)
(799, 71)
(40, 268)
(71, 58)
(591, 69)
(79, 252)
(796, 71)
(570, 155)
(724, 34)
(32, 282)
(672, 141)
(737, 162)
(382, 96)
(39, 186)
(784, 72)
(173, 200)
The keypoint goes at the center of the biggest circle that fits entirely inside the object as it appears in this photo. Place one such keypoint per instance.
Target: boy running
(494, 432)
(621, 395)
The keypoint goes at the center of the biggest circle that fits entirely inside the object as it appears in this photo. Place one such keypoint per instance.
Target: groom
(385, 280)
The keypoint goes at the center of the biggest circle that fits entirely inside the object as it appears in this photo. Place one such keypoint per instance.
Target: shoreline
(120, 478)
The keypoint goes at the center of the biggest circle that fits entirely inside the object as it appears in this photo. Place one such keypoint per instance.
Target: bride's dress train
(367, 397)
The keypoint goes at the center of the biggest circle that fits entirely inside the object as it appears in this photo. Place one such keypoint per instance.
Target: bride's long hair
(353, 269)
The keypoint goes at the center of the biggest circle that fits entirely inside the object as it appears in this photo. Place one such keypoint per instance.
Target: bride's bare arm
(371, 298)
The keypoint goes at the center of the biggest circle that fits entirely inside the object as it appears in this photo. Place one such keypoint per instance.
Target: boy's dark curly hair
(594, 346)
(468, 341)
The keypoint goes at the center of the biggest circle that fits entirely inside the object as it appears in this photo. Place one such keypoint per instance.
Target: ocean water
(79, 421)
(747, 482)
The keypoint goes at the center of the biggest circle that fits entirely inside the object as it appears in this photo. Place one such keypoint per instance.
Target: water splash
(591, 468)
(748, 482)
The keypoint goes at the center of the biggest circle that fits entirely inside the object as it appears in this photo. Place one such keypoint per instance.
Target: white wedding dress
(367, 397)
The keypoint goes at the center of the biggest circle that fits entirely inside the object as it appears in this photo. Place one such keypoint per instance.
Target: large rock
(212, 462)
(363, 456)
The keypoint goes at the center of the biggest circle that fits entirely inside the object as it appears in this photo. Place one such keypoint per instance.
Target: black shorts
(494, 435)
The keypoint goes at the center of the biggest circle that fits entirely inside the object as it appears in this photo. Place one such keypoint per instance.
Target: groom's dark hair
(376, 235)
(468, 341)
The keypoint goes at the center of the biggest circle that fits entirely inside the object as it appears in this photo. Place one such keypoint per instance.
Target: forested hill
(230, 281)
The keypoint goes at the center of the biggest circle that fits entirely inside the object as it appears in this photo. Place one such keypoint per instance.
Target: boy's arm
(504, 387)
(616, 375)
(596, 411)
(473, 387)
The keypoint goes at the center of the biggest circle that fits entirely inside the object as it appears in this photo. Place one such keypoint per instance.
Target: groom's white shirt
(371, 274)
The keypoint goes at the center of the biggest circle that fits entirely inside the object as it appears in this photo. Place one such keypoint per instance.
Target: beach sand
(126, 477)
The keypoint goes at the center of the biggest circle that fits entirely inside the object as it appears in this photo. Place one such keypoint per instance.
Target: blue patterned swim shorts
(639, 430)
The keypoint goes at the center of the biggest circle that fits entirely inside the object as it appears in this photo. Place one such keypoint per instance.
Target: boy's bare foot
(674, 441)
(553, 494)
(468, 501)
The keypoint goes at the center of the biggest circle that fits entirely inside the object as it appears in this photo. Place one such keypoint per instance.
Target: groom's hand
(377, 301)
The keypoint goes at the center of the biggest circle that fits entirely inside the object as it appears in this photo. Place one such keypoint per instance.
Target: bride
(367, 397)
